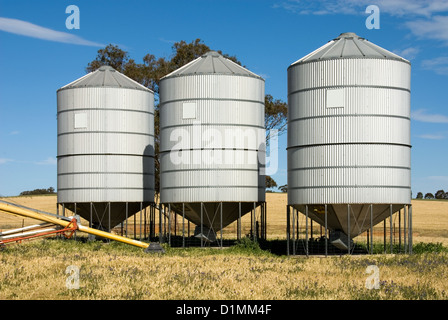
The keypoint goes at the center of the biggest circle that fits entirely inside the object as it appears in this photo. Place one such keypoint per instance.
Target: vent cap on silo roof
(349, 45)
(105, 76)
(212, 62)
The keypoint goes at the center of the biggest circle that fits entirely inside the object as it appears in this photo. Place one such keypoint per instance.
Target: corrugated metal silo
(212, 139)
(349, 134)
(105, 147)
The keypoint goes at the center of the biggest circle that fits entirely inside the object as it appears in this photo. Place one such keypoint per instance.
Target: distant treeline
(38, 191)
(440, 194)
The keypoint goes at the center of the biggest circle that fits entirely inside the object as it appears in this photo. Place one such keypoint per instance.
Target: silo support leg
(288, 214)
(265, 221)
(399, 231)
(135, 227)
(221, 224)
(371, 229)
(348, 227)
(306, 230)
(109, 228)
(254, 223)
(293, 233)
(326, 231)
(75, 215)
(160, 223)
(183, 225)
(390, 228)
(169, 224)
(239, 222)
(405, 228)
(91, 215)
(140, 227)
(410, 229)
(202, 224)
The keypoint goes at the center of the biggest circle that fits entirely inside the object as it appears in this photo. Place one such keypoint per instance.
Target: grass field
(37, 269)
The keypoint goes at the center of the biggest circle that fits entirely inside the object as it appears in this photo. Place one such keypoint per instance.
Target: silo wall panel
(213, 154)
(105, 145)
(358, 152)
(358, 155)
(216, 86)
(350, 129)
(349, 72)
(358, 101)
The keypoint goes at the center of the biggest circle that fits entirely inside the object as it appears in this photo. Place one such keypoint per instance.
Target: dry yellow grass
(430, 221)
(38, 271)
(45, 203)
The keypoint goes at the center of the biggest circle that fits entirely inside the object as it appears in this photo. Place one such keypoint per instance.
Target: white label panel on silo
(335, 98)
(80, 121)
(189, 110)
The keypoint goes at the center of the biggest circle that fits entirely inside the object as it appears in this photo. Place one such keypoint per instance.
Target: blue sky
(38, 55)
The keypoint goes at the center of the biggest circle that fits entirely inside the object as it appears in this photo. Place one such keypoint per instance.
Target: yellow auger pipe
(9, 208)
(111, 236)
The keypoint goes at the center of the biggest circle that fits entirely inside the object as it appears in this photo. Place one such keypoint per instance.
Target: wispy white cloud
(439, 65)
(28, 29)
(411, 7)
(13, 133)
(322, 7)
(425, 19)
(167, 41)
(435, 28)
(439, 178)
(423, 116)
(392, 7)
(5, 160)
(432, 136)
(408, 53)
(48, 161)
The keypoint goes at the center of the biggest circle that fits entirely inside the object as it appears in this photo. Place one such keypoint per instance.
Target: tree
(153, 69)
(270, 183)
(112, 56)
(38, 191)
(283, 188)
(276, 116)
(440, 194)
(429, 196)
(419, 195)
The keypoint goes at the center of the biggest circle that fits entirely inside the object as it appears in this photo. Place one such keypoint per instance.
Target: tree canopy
(429, 196)
(440, 194)
(38, 191)
(152, 69)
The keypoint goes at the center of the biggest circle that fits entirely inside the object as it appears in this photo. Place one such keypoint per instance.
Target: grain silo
(212, 143)
(105, 147)
(349, 137)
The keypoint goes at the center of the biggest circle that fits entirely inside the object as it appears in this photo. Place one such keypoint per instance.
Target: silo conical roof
(212, 63)
(349, 45)
(105, 76)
